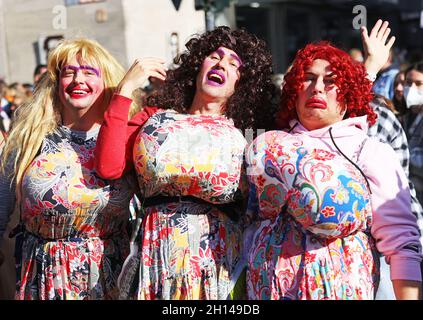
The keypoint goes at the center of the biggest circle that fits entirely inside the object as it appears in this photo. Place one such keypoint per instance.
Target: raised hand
(376, 49)
(139, 72)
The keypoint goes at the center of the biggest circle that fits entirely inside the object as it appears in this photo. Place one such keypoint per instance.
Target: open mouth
(215, 77)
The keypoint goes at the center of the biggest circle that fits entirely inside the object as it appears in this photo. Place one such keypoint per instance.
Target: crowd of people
(214, 183)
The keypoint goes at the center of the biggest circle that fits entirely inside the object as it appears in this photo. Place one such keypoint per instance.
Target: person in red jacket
(187, 153)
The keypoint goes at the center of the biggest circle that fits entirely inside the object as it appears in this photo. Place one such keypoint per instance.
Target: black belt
(21, 230)
(230, 209)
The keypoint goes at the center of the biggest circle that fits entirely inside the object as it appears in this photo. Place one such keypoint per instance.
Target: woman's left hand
(376, 49)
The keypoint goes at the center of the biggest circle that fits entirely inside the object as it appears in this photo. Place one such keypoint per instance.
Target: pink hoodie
(394, 225)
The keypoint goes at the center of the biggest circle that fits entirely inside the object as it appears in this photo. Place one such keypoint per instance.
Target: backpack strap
(349, 160)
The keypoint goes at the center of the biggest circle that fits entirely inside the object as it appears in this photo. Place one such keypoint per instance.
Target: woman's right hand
(139, 72)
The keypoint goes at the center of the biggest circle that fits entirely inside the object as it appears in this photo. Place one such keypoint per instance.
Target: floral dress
(311, 239)
(186, 250)
(75, 239)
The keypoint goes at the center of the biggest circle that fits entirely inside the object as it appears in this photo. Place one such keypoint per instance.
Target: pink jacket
(394, 225)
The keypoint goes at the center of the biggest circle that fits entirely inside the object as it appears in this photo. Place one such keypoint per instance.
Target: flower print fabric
(313, 216)
(186, 250)
(75, 238)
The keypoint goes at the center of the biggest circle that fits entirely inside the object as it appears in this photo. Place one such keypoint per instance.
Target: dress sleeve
(7, 199)
(394, 226)
(113, 152)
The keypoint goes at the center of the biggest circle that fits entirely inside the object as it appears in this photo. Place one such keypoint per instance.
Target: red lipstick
(314, 102)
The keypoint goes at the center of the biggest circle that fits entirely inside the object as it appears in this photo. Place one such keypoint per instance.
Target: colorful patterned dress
(186, 250)
(76, 223)
(312, 235)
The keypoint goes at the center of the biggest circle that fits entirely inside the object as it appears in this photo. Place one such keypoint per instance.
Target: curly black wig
(251, 104)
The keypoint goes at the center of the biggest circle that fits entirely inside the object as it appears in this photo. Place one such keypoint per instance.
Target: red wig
(354, 89)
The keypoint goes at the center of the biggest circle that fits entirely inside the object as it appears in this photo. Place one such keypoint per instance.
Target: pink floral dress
(186, 250)
(311, 239)
(75, 239)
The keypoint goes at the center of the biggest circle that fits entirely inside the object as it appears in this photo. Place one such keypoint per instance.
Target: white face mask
(413, 96)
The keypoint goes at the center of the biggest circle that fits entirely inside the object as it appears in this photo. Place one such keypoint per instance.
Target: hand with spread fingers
(139, 72)
(376, 47)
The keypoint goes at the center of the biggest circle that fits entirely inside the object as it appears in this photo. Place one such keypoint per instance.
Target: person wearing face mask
(413, 96)
(188, 158)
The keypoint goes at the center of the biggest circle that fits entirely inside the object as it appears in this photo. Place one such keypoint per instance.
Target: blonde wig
(42, 114)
